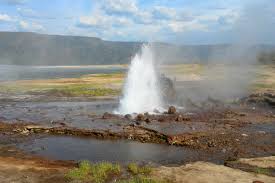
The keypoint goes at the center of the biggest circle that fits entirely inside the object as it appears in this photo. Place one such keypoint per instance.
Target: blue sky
(178, 21)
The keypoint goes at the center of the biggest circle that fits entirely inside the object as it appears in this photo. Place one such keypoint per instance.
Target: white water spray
(141, 90)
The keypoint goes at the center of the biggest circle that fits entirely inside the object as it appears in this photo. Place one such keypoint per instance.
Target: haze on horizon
(178, 21)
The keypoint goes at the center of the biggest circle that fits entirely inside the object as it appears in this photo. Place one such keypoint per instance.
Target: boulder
(172, 110)
(107, 115)
(140, 117)
(167, 90)
(128, 116)
(148, 120)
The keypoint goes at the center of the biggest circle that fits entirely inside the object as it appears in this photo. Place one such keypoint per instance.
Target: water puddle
(123, 151)
(261, 128)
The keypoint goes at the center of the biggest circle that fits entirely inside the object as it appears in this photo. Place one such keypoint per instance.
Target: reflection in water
(72, 148)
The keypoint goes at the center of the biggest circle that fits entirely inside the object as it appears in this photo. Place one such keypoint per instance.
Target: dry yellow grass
(207, 172)
(88, 85)
(264, 80)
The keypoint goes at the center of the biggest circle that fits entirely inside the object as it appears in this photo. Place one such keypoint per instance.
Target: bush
(97, 173)
(137, 170)
(141, 179)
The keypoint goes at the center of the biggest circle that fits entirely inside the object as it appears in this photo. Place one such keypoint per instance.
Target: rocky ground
(231, 131)
(225, 133)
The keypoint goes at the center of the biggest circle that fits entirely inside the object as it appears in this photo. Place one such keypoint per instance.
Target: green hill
(24, 48)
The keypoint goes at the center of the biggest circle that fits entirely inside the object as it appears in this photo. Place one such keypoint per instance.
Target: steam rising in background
(227, 72)
(230, 70)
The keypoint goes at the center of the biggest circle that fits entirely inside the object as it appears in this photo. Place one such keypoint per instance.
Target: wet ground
(77, 114)
(71, 130)
(77, 128)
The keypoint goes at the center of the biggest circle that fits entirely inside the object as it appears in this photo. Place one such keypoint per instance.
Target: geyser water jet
(141, 91)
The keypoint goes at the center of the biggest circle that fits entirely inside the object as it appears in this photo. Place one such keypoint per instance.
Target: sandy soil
(17, 170)
(207, 172)
(264, 162)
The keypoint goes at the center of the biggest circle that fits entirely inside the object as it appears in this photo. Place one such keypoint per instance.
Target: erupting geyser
(141, 90)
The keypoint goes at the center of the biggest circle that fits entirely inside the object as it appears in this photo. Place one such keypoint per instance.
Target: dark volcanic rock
(128, 116)
(140, 117)
(107, 115)
(265, 99)
(172, 110)
(148, 120)
(167, 89)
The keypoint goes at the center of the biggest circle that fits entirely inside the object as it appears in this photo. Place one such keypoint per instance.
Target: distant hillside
(267, 57)
(37, 49)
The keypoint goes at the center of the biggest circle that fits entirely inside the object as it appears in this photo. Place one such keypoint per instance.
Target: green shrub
(260, 170)
(97, 173)
(137, 170)
(141, 179)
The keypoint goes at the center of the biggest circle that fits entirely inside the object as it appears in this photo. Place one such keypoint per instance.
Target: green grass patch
(97, 173)
(89, 85)
(83, 90)
(260, 170)
(141, 179)
(134, 169)
(263, 85)
(106, 76)
(73, 90)
(13, 89)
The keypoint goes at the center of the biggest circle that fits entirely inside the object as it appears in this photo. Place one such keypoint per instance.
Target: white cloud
(180, 26)
(32, 26)
(215, 15)
(99, 19)
(120, 6)
(30, 13)
(26, 12)
(93, 21)
(164, 12)
(144, 17)
(5, 18)
(122, 19)
(13, 2)
(23, 24)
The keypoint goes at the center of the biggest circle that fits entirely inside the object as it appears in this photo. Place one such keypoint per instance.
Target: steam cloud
(230, 69)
